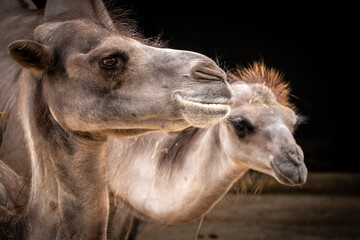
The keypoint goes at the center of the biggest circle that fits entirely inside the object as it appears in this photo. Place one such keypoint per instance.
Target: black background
(306, 42)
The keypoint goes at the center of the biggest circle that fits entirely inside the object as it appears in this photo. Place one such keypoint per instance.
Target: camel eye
(242, 126)
(109, 62)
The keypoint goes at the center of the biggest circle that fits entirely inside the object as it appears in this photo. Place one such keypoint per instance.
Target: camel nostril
(206, 74)
(292, 153)
(295, 155)
(206, 71)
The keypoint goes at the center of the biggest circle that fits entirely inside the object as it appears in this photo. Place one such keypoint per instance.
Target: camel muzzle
(289, 166)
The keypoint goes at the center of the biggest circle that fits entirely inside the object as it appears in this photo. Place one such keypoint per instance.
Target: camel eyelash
(114, 61)
(242, 126)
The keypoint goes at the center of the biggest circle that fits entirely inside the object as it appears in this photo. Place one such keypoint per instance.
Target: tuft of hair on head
(121, 18)
(259, 73)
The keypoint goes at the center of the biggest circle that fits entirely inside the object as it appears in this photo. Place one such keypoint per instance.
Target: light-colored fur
(208, 161)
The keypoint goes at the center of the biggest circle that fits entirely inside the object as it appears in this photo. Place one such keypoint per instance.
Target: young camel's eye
(242, 126)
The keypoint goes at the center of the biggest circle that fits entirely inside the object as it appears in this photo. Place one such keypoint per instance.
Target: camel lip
(280, 176)
(219, 102)
(199, 112)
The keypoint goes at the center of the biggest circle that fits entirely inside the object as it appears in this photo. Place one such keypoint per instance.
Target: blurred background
(313, 45)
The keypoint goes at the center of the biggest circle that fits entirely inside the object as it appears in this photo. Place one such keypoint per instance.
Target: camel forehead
(259, 103)
(270, 107)
(78, 26)
(121, 43)
(68, 38)
(71, 33)
(253, 93)
(263, 95)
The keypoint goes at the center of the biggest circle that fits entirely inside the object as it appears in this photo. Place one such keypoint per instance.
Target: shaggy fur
(175, 147)
(270, 77)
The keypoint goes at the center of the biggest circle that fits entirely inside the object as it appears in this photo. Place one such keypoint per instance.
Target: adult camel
(72, 81)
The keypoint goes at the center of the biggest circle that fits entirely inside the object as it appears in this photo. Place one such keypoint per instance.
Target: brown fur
(3, 117)
(270, 77)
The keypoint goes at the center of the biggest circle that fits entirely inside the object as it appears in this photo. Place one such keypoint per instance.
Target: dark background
(306, 42)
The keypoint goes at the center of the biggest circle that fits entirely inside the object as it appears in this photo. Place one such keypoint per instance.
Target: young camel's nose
(295, 154)
(291, 164)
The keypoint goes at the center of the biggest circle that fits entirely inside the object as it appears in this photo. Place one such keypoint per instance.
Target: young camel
(172, 178)
(80, 81)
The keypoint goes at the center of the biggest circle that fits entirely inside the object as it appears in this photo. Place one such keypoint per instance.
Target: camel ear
(30, 54)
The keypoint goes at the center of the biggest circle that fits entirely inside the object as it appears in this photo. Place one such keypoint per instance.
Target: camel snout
(289, 166)
(295, 154)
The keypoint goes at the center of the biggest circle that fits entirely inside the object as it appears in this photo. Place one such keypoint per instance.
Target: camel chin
(201, 112)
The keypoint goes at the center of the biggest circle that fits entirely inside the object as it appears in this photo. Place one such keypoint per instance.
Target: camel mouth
(202, 112)
(128, 133)
(294, 176)
(218, 102)
(205, 104)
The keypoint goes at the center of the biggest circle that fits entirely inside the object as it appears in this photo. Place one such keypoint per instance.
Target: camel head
(258, 133)
(97, 80)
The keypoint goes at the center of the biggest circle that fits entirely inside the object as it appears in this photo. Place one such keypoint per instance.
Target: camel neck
(173, 190)
(69, 171)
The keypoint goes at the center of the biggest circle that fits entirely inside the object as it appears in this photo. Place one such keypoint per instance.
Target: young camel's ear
(30, 54)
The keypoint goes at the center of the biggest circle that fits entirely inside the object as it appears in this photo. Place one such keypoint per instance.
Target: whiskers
(251, 182)
(130, 228)
(199, 227)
